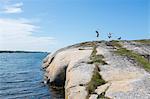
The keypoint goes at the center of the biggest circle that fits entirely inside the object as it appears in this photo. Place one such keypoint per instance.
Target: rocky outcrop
(95, 70)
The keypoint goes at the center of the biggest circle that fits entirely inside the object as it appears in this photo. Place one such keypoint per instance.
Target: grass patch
(96, 59)
(138, 58)
(86, 44)
(93, 54)
(143, 41)
(96, 80)
(115, 43)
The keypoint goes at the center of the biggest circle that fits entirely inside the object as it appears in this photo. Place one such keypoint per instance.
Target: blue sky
(51, 24)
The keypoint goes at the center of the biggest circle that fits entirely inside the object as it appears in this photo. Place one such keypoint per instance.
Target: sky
(47, 25)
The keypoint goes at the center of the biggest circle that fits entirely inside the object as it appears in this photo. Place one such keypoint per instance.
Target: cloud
(17, 34)
(13, 8)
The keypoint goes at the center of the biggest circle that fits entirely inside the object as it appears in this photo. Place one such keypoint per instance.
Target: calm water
(21, 77)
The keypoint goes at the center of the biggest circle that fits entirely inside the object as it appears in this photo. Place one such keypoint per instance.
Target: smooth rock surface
(125, 79)
(123, 76)
(93, 96)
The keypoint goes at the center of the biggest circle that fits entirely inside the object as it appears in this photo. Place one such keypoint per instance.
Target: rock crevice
(94, 70)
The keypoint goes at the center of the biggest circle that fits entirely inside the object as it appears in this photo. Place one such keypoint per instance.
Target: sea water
(21, 77)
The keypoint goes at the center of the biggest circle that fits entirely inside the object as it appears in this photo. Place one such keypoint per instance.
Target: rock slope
(101, 70)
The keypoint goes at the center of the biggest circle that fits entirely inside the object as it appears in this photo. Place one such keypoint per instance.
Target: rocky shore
(101, 70)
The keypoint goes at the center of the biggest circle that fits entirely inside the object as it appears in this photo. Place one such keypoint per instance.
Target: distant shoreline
(22, 52)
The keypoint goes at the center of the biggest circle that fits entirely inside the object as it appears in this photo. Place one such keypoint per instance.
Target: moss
(96, 80)
(138, 58)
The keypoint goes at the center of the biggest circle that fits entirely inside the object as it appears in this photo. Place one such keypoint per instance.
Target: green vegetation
(96, 59)
(93, 54)
(141, 60)
(143, 41)
(95, 81)
(87, 44)
(138, 58)
(115, 43)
